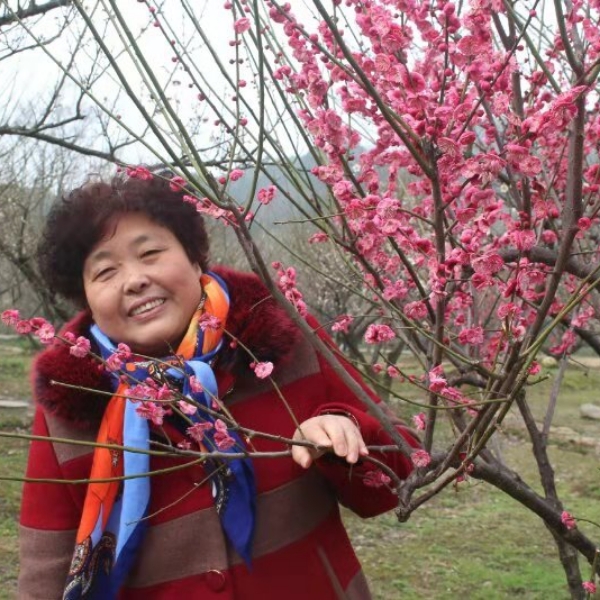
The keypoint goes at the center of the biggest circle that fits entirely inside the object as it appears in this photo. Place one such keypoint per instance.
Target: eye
(104, 274)
(151, 252)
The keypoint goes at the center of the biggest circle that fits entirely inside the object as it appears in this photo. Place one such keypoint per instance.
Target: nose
(135, 280)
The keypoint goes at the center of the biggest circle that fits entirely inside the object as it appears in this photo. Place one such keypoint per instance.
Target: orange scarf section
(107, 464)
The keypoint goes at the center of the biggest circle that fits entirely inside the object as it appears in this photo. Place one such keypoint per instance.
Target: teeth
(147, 306)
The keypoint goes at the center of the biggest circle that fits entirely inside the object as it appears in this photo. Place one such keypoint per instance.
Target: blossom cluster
(37, 326)
(444, 156)
(287, 284)
(456, 98)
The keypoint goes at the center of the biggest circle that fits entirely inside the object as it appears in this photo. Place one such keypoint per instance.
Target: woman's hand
(329, 431)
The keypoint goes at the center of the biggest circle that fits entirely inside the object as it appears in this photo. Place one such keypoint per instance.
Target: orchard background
(425, 174)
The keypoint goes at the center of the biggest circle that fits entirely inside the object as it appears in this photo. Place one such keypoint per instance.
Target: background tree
(33, 175)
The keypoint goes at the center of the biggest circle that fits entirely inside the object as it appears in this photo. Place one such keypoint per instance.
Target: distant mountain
(281, 208)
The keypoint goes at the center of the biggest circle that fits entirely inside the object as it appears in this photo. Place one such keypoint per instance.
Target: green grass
(472, 542)
(15, 360)
(13, 454)
(580, 385)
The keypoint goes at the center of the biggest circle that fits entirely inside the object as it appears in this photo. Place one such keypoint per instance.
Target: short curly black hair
(78, 220)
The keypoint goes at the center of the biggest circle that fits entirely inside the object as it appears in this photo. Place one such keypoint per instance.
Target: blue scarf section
(107, 556)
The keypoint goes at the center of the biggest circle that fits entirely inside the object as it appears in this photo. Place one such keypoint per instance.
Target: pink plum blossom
(589, 587)
(263, 369)
(164, 393)
(187, 408)
(81, 347)
(23, 327)
(37, 322)
(198, 430)
(415, 310)
(141, 391)
(177, 183)
(209, 322)
(342, 323)
(223, 439)
(195, 385)
(420, 458)
(568, 520)
(420, 421)
(266, 195)
(139, 173)
(10, 317)
(124, 351)
(437, 381)
(377, 333)
(488, 264)
(242, 25)
(287, 284)
(151, 411)
(376, 478)
(45, 333)
(69, 337)
(393, 372)
(317, 238)
(114, 362)
(523, 239)
(535, 368)
(471, 335)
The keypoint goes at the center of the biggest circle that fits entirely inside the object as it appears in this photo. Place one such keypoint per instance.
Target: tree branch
(32, 10)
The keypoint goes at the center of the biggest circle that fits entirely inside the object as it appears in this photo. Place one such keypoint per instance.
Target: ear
(197, 268)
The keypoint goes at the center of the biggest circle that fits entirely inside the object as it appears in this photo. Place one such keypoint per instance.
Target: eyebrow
(102, 254)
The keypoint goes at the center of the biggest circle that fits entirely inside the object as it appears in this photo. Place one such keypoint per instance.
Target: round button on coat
(215, 580)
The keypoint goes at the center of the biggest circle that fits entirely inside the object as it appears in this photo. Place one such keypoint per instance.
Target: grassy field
(471, 542)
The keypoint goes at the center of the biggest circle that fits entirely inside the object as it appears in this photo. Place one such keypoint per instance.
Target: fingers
(337, 432)
(310, 431)
(302, 456)
(355, 446)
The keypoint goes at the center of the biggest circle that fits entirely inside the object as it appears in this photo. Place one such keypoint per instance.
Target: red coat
(300, 547)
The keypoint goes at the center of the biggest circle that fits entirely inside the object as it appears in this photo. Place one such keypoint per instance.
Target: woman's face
(140, 285)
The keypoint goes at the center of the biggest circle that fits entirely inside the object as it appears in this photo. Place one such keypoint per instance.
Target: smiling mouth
(147, 306)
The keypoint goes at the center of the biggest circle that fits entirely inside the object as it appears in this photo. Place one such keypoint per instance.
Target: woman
(134, 255)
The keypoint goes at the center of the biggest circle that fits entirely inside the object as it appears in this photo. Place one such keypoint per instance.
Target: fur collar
(254, 318)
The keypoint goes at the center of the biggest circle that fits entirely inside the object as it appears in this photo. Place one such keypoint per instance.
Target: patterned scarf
(114, 514)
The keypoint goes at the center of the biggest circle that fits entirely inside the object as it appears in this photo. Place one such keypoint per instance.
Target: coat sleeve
(48, 522)
(348, 481)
